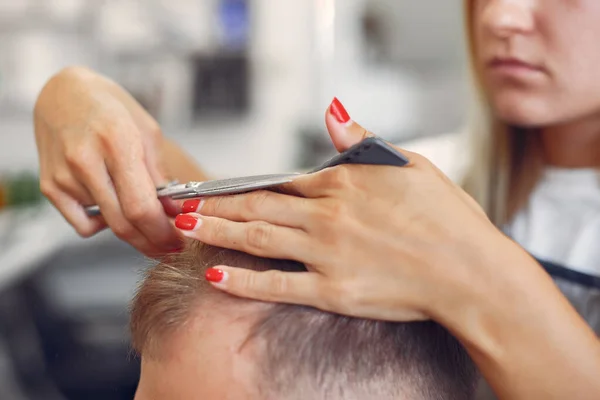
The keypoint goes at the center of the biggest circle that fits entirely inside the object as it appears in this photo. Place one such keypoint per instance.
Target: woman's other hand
(97, 145)
(404, 244)
(380, 242)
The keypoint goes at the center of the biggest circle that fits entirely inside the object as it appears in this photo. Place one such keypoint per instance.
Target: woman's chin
(527, 113)
(518, 119)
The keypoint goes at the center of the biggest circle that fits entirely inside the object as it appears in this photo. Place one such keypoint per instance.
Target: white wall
(264, 142)
(293, 84)
(283, 76)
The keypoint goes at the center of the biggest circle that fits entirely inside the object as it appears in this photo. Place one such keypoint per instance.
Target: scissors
(370, 151)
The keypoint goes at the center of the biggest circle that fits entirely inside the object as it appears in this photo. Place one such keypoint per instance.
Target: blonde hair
(506, 161)
(333, 357)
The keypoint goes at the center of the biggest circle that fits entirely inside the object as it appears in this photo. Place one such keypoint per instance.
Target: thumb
(269, 286)
(344, 132)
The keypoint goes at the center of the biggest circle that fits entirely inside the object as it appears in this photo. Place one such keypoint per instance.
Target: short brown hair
(340, 357)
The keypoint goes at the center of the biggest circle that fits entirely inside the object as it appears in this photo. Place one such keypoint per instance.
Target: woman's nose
(504, 18)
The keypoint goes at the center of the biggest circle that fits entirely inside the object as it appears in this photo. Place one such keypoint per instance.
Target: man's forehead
(215, 309)
(219, 318)
(206, 358)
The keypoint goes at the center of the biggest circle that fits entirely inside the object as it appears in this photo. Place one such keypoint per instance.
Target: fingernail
(216, 275)
(338, 111)
(186, 222)
(191, 206)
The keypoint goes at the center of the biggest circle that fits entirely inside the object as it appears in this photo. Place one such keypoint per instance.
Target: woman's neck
(572, 145)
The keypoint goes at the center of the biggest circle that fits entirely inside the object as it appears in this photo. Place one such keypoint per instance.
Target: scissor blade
(236, 185)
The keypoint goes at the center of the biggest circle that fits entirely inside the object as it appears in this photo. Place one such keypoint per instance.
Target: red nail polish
(186, 222)
(214, 275)
(190, 206)
(338, 111)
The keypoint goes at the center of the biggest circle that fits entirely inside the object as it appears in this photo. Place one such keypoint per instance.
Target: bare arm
(408, 244)
(179, 165)
(523, 334)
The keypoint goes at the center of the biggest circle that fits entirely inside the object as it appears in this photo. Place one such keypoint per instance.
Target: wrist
(476, 273)
(489, 292)
(178, 163)
(519, 329)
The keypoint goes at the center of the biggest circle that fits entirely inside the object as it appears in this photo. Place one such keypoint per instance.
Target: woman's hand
(404, 244)
(379, 242)
(97, 145)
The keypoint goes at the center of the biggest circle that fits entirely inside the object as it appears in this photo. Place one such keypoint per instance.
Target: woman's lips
(515, 68)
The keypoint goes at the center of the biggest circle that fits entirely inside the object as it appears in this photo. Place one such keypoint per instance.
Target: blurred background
(243, 85)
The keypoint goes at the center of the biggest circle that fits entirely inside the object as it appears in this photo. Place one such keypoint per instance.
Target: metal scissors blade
(180, 191)
(231, 186)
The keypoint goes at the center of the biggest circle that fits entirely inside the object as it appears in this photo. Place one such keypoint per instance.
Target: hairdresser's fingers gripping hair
(305, 288)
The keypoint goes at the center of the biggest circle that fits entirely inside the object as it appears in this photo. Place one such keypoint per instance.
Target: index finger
(262, 205)
(304, 288)
(136, 191)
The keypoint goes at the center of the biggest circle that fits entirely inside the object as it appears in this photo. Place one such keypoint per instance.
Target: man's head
(198, 343)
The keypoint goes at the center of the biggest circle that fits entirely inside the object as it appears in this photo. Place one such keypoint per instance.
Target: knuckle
(78, 157)
(48, 188)
(326, 222)
(342, 298)
(108, 135)
(338, 178)
(218, 231)
(85, 231)
(331, 212)
(72, 156)
(123, 231)
(255, 202)
(278, 283)
(269, 285)
(63, 179)
(331, 296)
(248, 283)
(136, 211)
(337, 210)
(259, 235)
(111, 135)
(95, 127)
(213, 206)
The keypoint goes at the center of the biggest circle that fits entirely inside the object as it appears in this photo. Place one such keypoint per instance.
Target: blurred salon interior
(243, 84)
